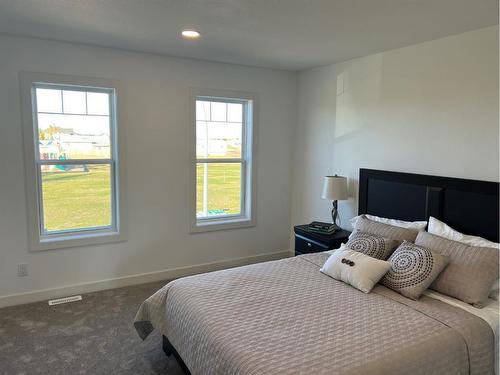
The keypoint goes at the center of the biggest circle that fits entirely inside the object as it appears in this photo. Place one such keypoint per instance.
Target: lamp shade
(335, 188)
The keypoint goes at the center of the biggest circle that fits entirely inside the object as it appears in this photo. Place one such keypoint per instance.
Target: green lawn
(74, 200)
(224, 182)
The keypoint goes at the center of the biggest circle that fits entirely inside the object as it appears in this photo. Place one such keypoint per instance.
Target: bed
(285, 317)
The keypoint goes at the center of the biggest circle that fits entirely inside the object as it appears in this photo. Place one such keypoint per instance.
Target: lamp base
(335, 215)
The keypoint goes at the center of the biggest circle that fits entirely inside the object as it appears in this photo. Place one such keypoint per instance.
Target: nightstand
(311, 242)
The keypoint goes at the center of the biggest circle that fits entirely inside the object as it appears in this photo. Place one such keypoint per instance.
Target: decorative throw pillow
(372, 245)
(413, 269)
(385, 230)
(472, 270)
(441, 229)
(415, 225)
(355, 268)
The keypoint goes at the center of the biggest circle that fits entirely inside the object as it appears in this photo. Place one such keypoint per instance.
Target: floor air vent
(64, 300)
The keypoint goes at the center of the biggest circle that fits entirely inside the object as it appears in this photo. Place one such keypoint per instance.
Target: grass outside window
(76, 197)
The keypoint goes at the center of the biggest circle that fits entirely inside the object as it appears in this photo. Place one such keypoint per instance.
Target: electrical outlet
(22, 269)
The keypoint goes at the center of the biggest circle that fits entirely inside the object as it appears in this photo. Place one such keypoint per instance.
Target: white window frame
(39, 239)
(247, 217)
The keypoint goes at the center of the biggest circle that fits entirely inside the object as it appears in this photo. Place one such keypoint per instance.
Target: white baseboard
(68, 290)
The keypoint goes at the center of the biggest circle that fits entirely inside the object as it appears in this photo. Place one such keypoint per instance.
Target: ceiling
(283, 34)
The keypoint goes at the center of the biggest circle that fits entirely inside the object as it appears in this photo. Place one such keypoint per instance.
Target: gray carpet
(93, 336)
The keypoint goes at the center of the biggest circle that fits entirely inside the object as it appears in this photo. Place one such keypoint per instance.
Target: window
(73, 176)
(223, 163)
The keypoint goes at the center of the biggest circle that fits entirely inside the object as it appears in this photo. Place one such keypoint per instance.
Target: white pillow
(354, 268)
(415, 225)
(441, 229)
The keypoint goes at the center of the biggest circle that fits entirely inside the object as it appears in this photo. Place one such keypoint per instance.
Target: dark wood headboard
(469, 206)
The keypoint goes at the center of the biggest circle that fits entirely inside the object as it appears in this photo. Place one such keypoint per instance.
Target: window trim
(116, 232)
(247, 218)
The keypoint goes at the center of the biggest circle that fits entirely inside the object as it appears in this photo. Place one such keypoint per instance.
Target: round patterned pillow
(372, 245)
(413, 269)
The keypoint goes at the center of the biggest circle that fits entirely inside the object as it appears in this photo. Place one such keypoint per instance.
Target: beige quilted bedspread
(285, 317)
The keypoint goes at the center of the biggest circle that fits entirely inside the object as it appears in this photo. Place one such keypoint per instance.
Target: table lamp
(335, 189)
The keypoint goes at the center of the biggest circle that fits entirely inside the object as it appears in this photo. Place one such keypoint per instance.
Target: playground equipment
(64, 167)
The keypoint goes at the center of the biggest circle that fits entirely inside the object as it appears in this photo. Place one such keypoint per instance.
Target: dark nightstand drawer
(304, 246)
(312, 242)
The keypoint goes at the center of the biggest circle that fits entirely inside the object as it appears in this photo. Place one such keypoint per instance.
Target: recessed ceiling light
(190, 34)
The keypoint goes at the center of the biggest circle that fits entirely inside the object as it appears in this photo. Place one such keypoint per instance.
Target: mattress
(285, 317)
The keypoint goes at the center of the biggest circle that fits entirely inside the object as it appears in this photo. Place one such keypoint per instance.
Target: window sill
(77, 239)
(221, 224)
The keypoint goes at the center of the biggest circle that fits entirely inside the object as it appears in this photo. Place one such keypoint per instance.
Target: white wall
(155, 102)
(430, 108)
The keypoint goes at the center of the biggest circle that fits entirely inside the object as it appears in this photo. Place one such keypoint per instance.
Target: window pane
(76, 196)
(98, 103)
(74, 102)
(48, 100)
(202, 110)
(218, 189)
(218, 111)
(235, 112)
(73, 137)
(218, 140)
